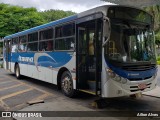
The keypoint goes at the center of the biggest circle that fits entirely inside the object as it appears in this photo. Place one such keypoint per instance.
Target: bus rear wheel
(67, 84)
(17, 72)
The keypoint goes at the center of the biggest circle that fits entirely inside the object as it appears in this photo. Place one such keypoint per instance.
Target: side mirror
(106, 30)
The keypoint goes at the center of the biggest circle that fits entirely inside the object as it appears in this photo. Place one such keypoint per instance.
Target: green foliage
(52, 15)
(157, 39)
(1, 44)
(158, 58)
(15, 18)
(154, 11)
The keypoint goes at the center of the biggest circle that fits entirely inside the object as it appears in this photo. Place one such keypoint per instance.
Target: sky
(72, 5)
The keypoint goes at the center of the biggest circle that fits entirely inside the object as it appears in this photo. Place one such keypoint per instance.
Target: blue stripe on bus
(132, 74)
(54, 59)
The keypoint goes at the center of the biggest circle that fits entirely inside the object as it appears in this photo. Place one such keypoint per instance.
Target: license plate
(142, 86)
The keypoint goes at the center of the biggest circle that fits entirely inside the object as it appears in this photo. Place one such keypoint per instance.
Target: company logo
(25, 59)
(133, 74)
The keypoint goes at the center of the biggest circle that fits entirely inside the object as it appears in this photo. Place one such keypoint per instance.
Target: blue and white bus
(106, 51)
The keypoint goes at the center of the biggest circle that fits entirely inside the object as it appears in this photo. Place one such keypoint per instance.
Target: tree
(157, 39)
(52, 15)
(15, 19)
(1, 44)
(154, 11)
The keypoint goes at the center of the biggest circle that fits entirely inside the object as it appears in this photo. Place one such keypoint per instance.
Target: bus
(108, 51)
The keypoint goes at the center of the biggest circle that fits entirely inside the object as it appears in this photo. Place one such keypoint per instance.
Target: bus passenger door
(8, 54)
(82, 58)
(89, 55)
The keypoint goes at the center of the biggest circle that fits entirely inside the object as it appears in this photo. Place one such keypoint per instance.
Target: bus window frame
(72, 36)
(22, 36)
(53, 39)
(14, 38)
(11, 44)
(23, 43)
(32, 41)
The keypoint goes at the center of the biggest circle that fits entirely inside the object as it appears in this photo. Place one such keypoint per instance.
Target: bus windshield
(130, 43)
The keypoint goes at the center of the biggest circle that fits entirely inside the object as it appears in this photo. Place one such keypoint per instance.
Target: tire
(67, 85)
(17, 72)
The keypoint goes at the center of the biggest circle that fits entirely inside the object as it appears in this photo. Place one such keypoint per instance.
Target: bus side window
(32, 46)
(14, 48)
(32, 42)
(49, 45)
(15, 43)
(22, 47)
(65, 37)
(22, 43)
(46, 40)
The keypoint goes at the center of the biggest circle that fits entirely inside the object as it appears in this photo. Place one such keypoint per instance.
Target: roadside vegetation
(16, 18)
(158, 60)
(154, 11)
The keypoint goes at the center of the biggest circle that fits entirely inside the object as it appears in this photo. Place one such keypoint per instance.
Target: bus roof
(70, 18)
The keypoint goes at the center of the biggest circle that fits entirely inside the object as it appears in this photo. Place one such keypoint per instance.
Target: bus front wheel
(67, 84)
(17, 72)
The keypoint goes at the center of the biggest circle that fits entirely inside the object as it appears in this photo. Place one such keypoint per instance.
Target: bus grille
(138, 67)
(135, 88)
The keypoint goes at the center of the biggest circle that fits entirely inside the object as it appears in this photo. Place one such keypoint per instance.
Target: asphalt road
(14, 95)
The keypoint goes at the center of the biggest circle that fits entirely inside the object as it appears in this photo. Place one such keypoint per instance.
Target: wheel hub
(67, 84)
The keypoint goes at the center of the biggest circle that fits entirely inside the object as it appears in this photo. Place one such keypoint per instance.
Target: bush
(158, 62)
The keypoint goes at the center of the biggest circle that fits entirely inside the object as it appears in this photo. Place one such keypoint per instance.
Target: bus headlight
(115, 77)
(118, 78)
(123, 81)
(110, 73)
